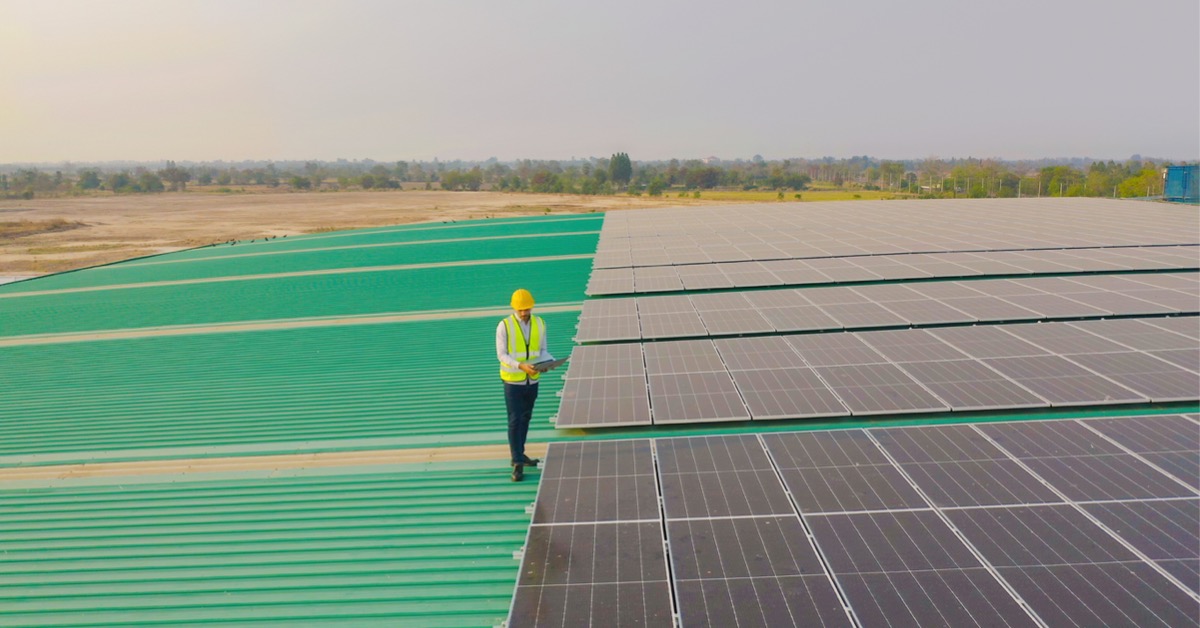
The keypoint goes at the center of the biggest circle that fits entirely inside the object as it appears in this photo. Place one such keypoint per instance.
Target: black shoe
(531, 462)
(518, 473)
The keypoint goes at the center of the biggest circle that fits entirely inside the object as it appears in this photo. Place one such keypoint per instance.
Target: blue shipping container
(1182, 183)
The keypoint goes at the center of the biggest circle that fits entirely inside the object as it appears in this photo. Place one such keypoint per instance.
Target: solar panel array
(1064, 522)
(948, 369)
(678, 236)
(766, 272)
(887, 305)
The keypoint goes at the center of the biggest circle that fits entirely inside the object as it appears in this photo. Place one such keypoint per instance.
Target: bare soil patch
(102, 229)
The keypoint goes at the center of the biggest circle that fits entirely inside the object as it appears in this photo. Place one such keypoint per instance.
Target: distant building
(1182, 184)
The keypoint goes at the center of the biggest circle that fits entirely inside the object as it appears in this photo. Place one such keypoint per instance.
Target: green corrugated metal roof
(397, 545)
(431, 546)
(417, 232)
(308, 389)
(355, 255)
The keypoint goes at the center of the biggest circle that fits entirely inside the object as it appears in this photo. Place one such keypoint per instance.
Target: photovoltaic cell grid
(766, 273)
(715, 234)
(950, 369)
(887, 305)
(1060, 522)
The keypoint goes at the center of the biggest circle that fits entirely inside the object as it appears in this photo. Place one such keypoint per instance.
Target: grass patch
(22, 228)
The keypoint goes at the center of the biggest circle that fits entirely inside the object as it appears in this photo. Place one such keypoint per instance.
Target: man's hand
(528, 368)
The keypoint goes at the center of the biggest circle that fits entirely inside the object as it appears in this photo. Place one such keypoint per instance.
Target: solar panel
(839, 472)
(720, 565)
(672, 325)
(986, 342)
(720, 301)
(906, 568)
(878, 389)
(863, 315)
(1169, 300)
(1054, 306)
(746, 274)
(1161, 530)
(1159, 380)
(1052, 554)
(787, 394)
(1140, 334)
(680, 357)
(764, 299)
(732, 322)
(605, 361)
(771, 352)
(702, 277)
(1185, 358)
(834, 350)
(912, 525)
(605, 482)
(1062, 382)
(1062, 339)
(603, 308)
(696, 398)
(910, 345)
(992, 309)
(604, 402)
(799, 318)
(656, 279)
(969, 385)
(927, 312)
(613, 281)
(664, 305)
(834, 296)
(1188, 326)
(564, 579)
(1121, 304)
(608, 328)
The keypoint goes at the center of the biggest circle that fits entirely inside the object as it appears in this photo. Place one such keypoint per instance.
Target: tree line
(617, 174)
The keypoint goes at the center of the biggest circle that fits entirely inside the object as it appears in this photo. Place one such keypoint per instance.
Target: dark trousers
(519, 401)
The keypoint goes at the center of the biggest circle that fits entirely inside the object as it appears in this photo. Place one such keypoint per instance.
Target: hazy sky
(398, 79)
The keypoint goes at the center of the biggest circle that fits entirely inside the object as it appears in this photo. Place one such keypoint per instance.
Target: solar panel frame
(801, 318)
(970, 385)
(868, 389)
(672, 325)
(1020, 542)
(747, 354)
(608, 328)
(1158, 380)
(1161, 530)
(863, 315)
(604, 402)
(730, 322)
(615, 360)
(902, 562)
(1137, 334)
(792, 393)
(696, 398)
(834, 350)
(1062, 382)
(910, 345)
(682, 356)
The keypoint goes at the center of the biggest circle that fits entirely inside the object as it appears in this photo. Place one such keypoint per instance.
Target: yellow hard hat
(522, 300)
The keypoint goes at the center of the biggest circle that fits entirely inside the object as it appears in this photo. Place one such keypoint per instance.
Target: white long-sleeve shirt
(502, 346)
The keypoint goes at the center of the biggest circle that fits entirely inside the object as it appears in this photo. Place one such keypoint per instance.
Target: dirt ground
(69, 233)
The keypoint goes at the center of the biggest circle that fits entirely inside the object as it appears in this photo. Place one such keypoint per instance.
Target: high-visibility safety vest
(522, 348)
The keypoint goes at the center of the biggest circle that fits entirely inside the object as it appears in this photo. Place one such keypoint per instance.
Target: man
(520, 343)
